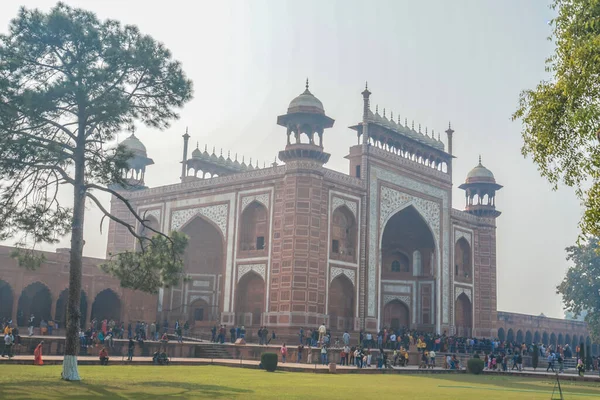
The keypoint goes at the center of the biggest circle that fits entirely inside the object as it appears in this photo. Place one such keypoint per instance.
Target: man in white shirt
(346, 338)
(322, 332)
(8, 342)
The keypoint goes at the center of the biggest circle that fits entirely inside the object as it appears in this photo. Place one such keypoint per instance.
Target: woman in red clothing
(37, 354)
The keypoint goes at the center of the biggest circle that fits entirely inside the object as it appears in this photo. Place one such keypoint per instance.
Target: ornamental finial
(306, 83)
(480, 159)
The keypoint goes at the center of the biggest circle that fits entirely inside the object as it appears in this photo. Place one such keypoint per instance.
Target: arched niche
(341, 303)
(60, 314)
(106, 306)
(528, 338)
(6, 301)
(250, 299)
(396, 315)
(344, 232)
(520, 337)
(35, 299)
(510, 336)
(254, 229)
(463, 270)
(501, 335)
(463, 317)
(406, 233)
(204, 263)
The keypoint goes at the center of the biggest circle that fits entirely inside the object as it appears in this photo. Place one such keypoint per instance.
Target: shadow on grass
(82, 390)
(516, 382)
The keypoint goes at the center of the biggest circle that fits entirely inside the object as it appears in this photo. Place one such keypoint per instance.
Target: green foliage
(269, 361)
(561, 116)
(158, 264)
(579, 288)
(475, 365)
(535, 357)
(589, 362)
(582, 352)
(28, 258)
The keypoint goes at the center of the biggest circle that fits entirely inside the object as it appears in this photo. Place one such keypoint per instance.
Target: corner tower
(305, 115)
(137, 164)
(480, 192)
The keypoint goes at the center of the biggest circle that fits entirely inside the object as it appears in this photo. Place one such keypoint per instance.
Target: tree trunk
(70, 371)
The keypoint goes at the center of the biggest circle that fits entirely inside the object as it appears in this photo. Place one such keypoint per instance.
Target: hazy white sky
(431, 61)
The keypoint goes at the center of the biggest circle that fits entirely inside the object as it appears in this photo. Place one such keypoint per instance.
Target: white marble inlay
(217, 214)
(338, 202)
(261, 198)
(260, 269)
(460, 290)
(336, 271)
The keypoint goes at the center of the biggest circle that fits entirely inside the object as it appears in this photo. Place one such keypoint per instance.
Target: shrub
(475, 365)
(535, 357)
(269, 361)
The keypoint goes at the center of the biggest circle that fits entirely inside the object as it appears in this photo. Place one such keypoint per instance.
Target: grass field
(191, 382)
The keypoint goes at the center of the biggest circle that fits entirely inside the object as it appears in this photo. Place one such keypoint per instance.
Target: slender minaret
(186, 139)
(365, 124)
(450, 132)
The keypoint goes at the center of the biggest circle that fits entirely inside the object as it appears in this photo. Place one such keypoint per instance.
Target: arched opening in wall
(341, 303)
(343, 235)
(463, 317)
(396, 315)
(199, 310)
(553, 340)
(462, 261)
(595, 349)
(568, 340)
(560, 339)
(60, 314)
(545, 339)
(106, 306)
(528, 338)
(6, 301)
(510, 336)
(250, 299)
(35, 299)
(204, 261)
(254, 229)
(501, 335)
(537, 338)
(406, 232)
(151, 226)
(520, 337)
(574, 343)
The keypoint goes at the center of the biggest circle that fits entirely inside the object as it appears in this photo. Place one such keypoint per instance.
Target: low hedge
(475, 365)
(269, 361)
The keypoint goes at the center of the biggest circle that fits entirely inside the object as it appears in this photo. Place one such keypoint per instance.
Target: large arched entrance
(60, 314)
(406, 235)
(341, 303)
(107, 305)
(510, 336)
(528, 338)
(463, 316)
(35, 299)
(250, 299)
(6, 301)
(520, 337)
(396, 315)
(204, 262)
(501, 335)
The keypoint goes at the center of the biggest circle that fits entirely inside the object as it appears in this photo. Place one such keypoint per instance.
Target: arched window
(254, 228)
(396, 266)
(343, 235)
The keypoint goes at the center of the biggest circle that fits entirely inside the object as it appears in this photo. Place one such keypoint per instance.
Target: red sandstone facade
(297, 244)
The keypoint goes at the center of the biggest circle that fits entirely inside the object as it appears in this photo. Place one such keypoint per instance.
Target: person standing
(153, 331)
(309, 355)
(322, 332)
(31, 320)
(130, 349)
(103, 356)
(300, 349)
(301, 335)
(37, 354)
(324, 355)
(346, 338)
(8, 342)
(283, 353)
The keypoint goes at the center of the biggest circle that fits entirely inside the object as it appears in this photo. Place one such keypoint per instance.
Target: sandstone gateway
(298, 244)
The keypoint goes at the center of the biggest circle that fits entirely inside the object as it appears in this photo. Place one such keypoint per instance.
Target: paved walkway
(295, 367)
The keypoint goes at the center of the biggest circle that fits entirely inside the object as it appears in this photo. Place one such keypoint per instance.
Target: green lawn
(148, 382)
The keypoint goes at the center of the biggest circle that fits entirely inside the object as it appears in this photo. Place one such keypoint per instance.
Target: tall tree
(580, 289)
(68, 83)
(561, 116)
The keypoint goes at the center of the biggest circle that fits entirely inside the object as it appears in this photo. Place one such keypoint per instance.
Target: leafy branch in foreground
(68, 84)
(159, 264)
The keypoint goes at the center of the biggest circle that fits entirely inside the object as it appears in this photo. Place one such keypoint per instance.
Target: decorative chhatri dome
(480, 174)
(306, 103)
(197, 153)
(135, 145)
